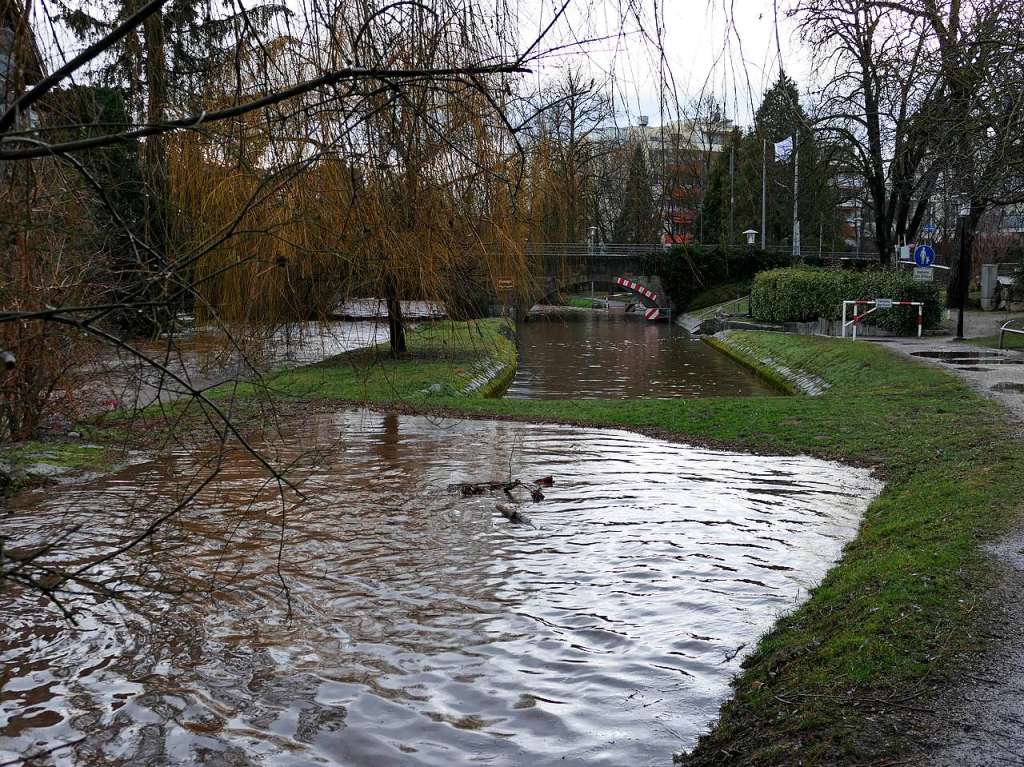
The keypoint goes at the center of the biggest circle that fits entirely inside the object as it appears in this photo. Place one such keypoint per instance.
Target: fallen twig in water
(513, 514)
(468, 489)
(509, 510)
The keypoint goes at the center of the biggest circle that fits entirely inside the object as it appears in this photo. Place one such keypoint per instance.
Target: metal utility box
(989, 281)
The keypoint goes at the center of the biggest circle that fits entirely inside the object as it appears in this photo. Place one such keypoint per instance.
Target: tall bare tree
(569, 139)
(878, 97)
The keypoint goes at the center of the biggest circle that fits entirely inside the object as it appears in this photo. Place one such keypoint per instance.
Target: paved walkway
(980, 722)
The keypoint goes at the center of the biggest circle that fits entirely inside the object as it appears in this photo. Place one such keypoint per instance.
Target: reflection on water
(589, 355)
(423, 629)
(217, 355)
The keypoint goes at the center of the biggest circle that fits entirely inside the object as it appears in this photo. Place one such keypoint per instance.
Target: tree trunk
(965, 232)
(154, 158)
(396, 326)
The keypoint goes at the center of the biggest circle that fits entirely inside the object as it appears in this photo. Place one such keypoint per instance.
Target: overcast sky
(728, 48)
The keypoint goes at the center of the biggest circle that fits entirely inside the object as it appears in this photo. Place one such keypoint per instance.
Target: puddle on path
(424, 629)
(966, 357)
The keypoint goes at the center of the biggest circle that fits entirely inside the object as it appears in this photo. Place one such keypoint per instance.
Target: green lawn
(30, 463)
(839, 680)
(707, 301)
(442, 359)
(583, 303)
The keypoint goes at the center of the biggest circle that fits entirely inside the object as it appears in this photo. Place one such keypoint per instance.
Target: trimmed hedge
(688, 270)
(803, 294)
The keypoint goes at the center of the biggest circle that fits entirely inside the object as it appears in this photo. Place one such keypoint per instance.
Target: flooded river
(586, 355)
(214, 356)
(419, 626)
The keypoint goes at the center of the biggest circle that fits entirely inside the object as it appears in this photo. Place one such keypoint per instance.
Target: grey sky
(725, 48)
(730, 49)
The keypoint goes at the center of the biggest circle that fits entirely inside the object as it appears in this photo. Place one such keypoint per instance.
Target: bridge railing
(597, 249)
(613, 249)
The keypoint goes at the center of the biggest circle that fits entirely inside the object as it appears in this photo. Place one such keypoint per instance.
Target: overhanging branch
(192, 121)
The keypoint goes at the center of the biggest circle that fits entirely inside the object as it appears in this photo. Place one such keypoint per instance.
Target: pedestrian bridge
(562, 267)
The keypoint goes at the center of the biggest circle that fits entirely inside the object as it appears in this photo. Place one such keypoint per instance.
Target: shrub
(688, 270)
(803, 294)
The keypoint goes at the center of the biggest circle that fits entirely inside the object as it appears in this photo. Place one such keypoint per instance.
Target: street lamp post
(751, 241)
(963, 272)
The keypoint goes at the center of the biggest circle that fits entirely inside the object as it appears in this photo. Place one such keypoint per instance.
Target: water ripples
(424, 629)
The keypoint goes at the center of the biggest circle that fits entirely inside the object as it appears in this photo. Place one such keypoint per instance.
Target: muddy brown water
(419, 628)
(119, 379)
(588, 355)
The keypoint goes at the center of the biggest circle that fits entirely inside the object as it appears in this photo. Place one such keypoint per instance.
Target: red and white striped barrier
(637, 287)
(886, 304)
(652, 314)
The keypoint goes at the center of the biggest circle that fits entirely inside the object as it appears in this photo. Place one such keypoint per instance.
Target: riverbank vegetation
(443, 359)
(895, 617)
(688, 272)
(840, 679)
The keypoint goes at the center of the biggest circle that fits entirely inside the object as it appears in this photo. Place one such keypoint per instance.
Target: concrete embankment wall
(777, 374)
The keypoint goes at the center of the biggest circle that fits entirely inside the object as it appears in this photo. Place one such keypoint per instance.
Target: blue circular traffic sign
(924, 255)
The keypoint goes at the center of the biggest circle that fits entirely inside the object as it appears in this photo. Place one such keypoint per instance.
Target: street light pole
(962, 275)
(963, 272)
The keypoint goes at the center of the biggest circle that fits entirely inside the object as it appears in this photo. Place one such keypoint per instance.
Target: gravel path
(980, 722)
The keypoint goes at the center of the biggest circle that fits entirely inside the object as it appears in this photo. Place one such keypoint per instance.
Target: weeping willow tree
(394, 192)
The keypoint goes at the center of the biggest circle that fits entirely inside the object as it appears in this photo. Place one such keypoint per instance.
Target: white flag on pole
(784, 149)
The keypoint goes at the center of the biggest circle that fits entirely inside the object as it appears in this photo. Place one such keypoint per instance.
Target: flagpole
(764, 171)
(732, 194)
(796, 191)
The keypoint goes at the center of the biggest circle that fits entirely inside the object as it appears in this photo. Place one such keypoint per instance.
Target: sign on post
(924, 255)
(924, 274)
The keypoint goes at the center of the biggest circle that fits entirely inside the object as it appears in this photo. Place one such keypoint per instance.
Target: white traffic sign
(924, 274)
(883, 303)
(924, 255)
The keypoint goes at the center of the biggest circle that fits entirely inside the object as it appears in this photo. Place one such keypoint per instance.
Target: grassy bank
(30, 463)
(732, 293)
(445, 362)
(579, 302)
(842, 679)
(444, 359)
